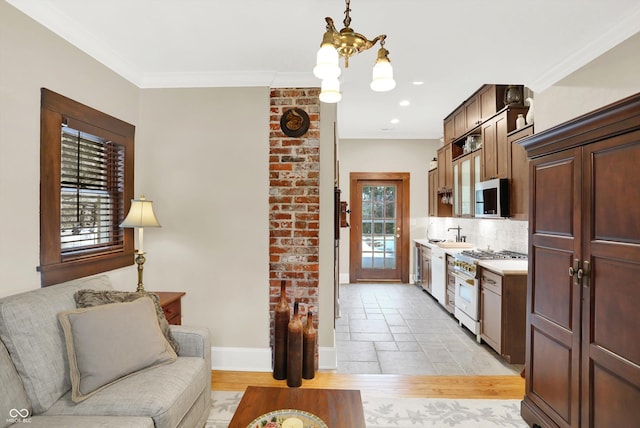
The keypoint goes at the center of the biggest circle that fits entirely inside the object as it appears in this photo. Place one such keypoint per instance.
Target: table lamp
(140, 215)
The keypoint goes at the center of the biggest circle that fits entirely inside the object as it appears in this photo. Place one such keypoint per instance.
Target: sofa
(36, 371)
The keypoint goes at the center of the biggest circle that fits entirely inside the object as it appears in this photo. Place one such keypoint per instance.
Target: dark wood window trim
(56, 109)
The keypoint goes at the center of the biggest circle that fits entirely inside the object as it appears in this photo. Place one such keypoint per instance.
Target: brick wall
(294, 188)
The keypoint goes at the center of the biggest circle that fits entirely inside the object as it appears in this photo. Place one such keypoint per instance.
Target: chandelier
(347, 43)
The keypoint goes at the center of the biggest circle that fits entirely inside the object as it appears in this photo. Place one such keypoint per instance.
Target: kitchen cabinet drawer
(491, 281)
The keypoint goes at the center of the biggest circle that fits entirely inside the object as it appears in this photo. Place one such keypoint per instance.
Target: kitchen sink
(451, 244)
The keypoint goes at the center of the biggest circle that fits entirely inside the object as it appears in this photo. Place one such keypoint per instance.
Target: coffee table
(336, 407)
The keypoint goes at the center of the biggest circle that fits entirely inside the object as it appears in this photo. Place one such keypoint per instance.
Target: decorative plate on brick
(294, 122)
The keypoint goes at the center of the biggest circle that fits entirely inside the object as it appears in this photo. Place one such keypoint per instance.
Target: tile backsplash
(498, 234)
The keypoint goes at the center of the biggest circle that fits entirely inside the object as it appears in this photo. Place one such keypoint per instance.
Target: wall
(411, 156)
(32, 58)
(207, 172)
(608, 78)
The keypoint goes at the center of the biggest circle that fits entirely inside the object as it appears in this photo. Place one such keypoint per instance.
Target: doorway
(379, 233)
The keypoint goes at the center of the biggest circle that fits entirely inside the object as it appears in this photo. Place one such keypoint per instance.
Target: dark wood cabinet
(459, 122)
(449, 130)
(495, 147)
(433, 192)
(502, 314)
(445, 171)
(472, 112)
(518, 174)
(582, 364)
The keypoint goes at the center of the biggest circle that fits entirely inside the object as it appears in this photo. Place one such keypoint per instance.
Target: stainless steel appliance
(467, 284)
(492, 198)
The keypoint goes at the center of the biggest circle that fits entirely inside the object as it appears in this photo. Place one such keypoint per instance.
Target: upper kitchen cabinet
(518, 174)
(482, 105)
(445, 171)
(496, 150)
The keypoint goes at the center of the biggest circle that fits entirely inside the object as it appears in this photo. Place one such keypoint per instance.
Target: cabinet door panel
(616, 192)
(554, 191)
(502, 146)
(491, 318)
(550, 386)
(611, 320)
(554, 298)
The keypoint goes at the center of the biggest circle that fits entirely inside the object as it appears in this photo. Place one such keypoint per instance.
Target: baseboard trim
(259, 359)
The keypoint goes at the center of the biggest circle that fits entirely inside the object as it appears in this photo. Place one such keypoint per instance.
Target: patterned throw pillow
(91, 298)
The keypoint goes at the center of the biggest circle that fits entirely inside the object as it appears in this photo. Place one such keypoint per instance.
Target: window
(86, 184)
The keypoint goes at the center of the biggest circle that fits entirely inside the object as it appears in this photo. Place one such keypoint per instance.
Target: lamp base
(140, 259)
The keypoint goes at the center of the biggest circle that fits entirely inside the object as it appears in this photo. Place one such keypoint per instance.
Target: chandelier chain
(347, 17)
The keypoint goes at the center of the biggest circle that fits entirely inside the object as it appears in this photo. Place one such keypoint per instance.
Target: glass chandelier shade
(382, 80)
(330, 90)
(327, 59)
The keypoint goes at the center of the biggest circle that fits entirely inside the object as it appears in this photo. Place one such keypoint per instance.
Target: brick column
(294, 188)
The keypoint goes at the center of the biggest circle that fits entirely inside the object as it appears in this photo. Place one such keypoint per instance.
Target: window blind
(91, 194)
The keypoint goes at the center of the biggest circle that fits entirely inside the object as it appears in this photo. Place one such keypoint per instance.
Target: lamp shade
(330, 91)
(327, 62)
(141, 214)
(382, 80)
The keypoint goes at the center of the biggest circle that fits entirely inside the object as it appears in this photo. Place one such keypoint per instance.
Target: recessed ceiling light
(418, 82)
(395, 120)
(404, 103)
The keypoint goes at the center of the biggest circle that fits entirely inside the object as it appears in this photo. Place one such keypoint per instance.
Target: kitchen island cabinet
(503, 313)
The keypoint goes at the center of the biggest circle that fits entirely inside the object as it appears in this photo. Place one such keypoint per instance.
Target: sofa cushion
(90, 298)
(109, 342)
(165, 393)
(13, 398)
(29, 328)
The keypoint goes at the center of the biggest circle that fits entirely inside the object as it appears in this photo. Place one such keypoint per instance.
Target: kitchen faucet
(458, 237)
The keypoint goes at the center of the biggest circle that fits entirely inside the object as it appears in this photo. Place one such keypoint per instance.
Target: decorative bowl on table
(287, 418)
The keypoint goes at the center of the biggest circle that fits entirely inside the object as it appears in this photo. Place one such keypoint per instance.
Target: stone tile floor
(400, 329)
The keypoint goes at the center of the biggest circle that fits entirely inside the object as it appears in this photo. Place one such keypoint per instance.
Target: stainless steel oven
(467, 291)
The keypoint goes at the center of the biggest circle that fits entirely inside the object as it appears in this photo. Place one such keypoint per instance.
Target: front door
(379, 237)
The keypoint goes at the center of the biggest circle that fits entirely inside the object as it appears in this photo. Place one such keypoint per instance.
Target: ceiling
(453, 46)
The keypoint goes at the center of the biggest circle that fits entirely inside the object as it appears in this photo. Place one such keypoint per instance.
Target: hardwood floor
(499, 387)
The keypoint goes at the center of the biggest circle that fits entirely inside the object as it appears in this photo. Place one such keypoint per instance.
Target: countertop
(502, 267)
(506, 267)
(435, 246)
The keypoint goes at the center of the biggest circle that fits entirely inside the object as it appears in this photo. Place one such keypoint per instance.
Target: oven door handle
(470, 281)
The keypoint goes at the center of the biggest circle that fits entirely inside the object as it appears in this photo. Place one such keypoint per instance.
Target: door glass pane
(379, 227)
(465, 188)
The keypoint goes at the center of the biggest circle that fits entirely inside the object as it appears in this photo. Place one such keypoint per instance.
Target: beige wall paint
(202, 156)
(608, 78)
(31, 57)
(411, 156)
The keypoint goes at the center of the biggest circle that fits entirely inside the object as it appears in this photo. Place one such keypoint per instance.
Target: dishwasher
(438, 274)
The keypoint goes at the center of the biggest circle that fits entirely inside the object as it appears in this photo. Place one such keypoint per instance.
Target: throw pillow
(108, 343)
(91, 298)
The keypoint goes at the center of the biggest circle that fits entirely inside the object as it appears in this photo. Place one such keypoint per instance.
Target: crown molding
(626, 28)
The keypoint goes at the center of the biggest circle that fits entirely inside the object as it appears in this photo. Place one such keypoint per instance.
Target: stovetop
(494, 255)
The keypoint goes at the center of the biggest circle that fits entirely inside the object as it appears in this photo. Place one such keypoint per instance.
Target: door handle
(584, 274)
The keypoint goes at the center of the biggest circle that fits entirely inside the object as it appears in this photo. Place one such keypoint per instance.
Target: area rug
(389, 412)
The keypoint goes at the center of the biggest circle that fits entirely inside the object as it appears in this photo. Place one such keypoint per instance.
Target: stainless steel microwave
(492, 198)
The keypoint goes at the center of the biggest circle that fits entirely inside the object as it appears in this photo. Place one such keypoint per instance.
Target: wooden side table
(171, 304)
